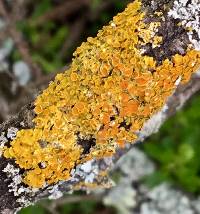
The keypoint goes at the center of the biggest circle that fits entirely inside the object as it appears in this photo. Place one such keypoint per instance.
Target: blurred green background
(52, 41)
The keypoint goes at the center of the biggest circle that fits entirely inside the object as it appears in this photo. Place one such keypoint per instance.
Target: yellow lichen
(107, 94)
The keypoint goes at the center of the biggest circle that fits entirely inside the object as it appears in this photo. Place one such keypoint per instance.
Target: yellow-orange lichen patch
(74, 76)
(107, 94)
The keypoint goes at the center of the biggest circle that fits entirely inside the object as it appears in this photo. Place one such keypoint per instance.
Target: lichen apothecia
(110, 90)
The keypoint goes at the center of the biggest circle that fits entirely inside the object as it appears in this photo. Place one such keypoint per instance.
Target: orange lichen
(107, 94)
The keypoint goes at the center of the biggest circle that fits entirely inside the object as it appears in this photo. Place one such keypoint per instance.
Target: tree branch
(162, 54)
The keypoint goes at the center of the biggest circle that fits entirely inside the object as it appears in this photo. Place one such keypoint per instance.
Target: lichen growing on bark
(101, 101)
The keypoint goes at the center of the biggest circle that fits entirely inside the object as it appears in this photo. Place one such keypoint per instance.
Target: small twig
(94, 13)
(60, 12)
(19, 9)
(76, 30)
(20, 43)
(52, 208)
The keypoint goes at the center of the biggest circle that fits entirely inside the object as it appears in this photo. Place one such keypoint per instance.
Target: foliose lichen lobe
(111, 89)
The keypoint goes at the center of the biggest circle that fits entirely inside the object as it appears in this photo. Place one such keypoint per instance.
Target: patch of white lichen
(16, 185)
(189, 14)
